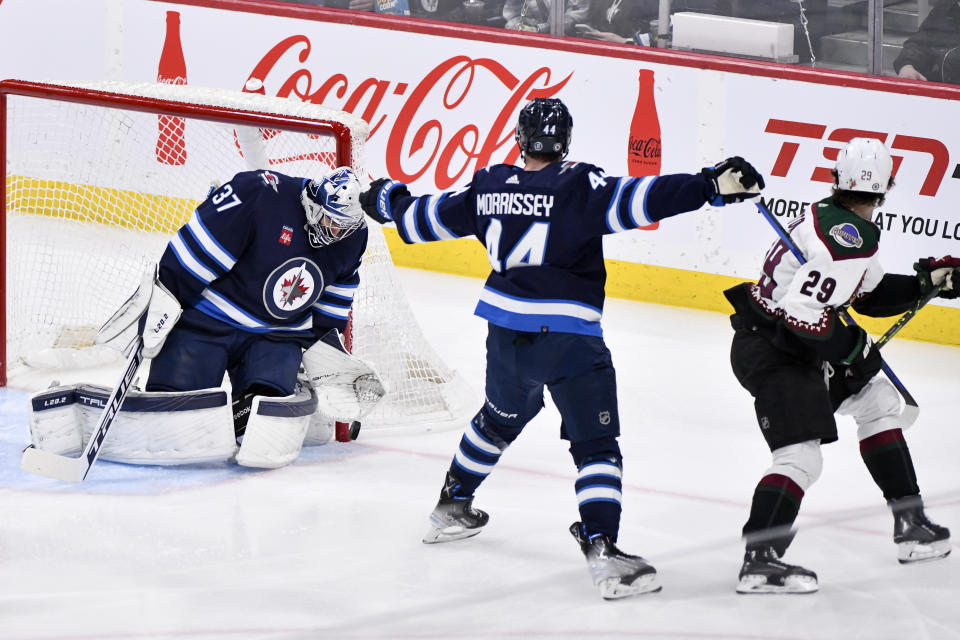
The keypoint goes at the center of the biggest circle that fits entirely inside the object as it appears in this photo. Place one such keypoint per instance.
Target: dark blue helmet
(544, 127)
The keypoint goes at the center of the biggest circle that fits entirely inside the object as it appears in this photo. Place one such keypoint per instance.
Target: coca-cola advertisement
(643, 148)
(442, 99)
(644, 143)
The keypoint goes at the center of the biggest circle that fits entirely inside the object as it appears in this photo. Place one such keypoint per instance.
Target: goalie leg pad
(321, 430)
(276, 429)
(347, 388)
(160, 428)
(55, 422)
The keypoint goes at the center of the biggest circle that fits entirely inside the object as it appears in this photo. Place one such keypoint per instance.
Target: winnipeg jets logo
(292, 288)
(270, 180)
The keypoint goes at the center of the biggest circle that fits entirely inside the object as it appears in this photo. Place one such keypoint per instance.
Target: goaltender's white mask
(332, 207)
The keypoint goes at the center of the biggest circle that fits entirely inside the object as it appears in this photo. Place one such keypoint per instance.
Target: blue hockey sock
(599, 493)
(481, 446)
(599, 484)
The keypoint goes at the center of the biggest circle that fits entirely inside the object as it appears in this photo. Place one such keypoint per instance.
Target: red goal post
(98, 176)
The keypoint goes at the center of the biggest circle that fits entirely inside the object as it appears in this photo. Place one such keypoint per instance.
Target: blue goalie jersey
(543, 233)
(245, 260)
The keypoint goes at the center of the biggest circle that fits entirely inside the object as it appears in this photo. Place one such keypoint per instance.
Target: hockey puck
(354, 429)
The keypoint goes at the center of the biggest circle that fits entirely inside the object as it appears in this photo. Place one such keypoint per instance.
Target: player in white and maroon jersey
(802, 364)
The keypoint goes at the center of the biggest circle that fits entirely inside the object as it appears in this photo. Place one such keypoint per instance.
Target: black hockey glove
(862, 364)
(733, 180)
(934, 272)
(375, 201)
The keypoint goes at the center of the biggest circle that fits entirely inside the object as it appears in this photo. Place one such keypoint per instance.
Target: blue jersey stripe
(408, 224)
(189, 261)
(536, 322)
(637, 202)
(209, 309)
(437, 228)
(209, 244)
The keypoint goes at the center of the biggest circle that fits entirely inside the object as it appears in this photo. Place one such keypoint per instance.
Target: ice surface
(330, 546)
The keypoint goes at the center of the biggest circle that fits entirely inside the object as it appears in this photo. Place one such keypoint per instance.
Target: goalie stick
(70, 469)
(911, 409)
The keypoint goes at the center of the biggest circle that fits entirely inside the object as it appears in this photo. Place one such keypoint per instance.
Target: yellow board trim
(465, 257)
(661, 285)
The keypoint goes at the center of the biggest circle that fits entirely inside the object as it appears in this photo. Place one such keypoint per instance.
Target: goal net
(98, 177)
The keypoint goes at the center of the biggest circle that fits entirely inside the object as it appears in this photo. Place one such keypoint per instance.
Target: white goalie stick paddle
(70, 469)
(911, 409)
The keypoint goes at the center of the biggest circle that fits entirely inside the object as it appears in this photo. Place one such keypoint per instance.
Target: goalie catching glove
(151, 311)
(733, 180)
(347, 388)
(375, 201)
(939, 272)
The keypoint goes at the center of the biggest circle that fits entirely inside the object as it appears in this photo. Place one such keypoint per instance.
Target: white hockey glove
(347, 388)
(162, 312)
(733, 180)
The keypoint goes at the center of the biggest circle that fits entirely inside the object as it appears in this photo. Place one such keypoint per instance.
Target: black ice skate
(917, 538)
(454, 517)
(763, 572)
(615, 573)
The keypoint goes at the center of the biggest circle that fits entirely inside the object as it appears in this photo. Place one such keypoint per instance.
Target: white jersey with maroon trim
(841, 252)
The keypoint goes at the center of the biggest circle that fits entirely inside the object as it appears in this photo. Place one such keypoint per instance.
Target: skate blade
(791, 584)
(436, 534)
(613, 589)
(910, 552)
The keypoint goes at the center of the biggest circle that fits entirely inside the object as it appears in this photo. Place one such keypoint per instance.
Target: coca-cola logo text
(649, 148)
(418, 141)
(939, 156)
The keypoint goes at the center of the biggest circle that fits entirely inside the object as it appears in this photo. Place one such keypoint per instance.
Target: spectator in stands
(480, 12)
(620, 21)
(534, 15)
(933, 53)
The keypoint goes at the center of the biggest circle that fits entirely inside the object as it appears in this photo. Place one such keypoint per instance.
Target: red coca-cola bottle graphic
(643, 151)
(643, 147)
(171, 145)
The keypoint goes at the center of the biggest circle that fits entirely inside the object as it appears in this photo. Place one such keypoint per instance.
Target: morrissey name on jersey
(518, 204)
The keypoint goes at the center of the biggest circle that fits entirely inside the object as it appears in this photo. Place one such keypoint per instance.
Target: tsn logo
(936, 150)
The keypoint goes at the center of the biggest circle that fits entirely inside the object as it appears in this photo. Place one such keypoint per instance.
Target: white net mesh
(93, 193)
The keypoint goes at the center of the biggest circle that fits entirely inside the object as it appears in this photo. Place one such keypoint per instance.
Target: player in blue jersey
(542, 226)
(267, 266)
